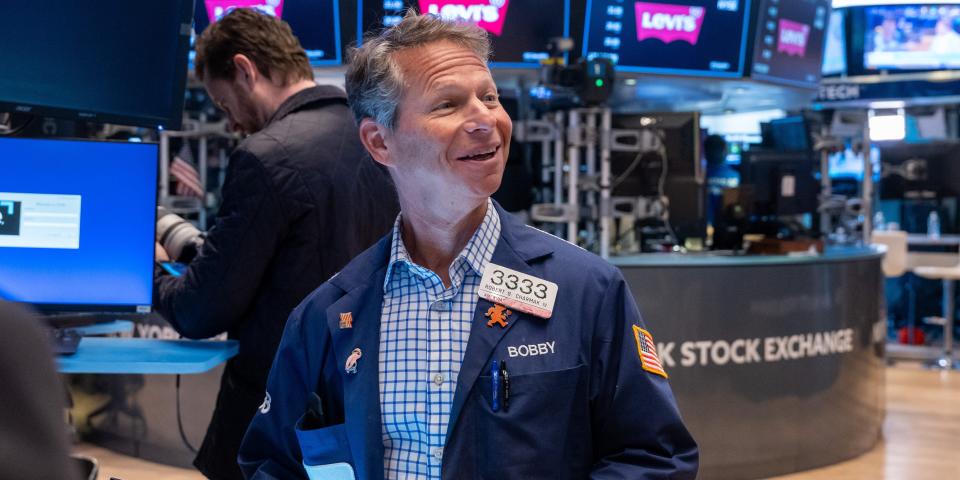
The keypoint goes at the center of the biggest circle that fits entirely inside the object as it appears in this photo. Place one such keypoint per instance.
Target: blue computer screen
(681, 37)
(77, 224)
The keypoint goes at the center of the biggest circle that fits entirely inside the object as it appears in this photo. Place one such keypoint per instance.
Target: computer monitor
(910, 37)
(77, 225)
(680, 174)
(788, 43)
(909, 169)
(680, 37)
(783, 183)
(848, 164)
(316, 23)
(519, 29)
(788, 134)
(835, 45)
(106, 61)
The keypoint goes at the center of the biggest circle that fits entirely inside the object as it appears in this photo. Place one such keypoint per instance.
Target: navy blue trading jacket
(581, 408)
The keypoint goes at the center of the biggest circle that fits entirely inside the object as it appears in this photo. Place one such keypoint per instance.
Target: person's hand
(161, 254)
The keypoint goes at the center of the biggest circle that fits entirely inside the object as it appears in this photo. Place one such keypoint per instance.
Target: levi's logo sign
(793, 38)
(218, 8)
(669, 22)
(486, 14)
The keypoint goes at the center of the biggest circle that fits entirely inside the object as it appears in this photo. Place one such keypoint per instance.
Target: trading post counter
(776, 361)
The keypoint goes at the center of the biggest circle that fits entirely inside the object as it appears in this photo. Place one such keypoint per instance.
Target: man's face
(452, 136)
(236, 102)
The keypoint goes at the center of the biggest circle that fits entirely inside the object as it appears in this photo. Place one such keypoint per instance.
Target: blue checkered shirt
(424, 329)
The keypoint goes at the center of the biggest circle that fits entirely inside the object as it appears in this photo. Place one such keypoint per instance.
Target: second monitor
(519, 29)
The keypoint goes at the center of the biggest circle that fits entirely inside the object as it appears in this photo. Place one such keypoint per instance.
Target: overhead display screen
(106, 61)
(835, 45)
(684, 37)
(77, 224)
(519, 29)
(316, 23)
(913, 37)
(788, 47)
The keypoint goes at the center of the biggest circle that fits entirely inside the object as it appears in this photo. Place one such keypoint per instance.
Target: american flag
(648, 352)
(186, 174)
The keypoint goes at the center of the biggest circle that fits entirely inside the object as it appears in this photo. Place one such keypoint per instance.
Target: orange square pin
(346, 320)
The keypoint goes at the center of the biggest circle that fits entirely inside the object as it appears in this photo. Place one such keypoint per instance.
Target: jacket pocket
(541, 431)
(324, 446)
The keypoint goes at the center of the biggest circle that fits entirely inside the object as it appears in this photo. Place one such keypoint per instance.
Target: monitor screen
(684, 37)
(788, 46)
(114, 61)
(519, 29)
(77, 224)
(316, 23)
(911, 37)
(835, 45)
(849, 164)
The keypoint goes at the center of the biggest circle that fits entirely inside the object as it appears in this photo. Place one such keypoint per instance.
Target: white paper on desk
(788, 186)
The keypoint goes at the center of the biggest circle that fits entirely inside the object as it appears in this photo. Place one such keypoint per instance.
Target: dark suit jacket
(301, 198)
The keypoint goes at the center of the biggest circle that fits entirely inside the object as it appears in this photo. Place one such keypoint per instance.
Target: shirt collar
(477, 252)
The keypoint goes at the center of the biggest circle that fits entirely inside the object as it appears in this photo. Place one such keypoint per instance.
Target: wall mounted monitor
(682, 37)
(789, 39)
(835, 45)
(77, 224)
(108, 61)
(911, 37)
(316, 23)
(519, 29)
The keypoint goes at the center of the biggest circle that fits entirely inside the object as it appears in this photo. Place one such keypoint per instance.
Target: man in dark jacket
(300, 199)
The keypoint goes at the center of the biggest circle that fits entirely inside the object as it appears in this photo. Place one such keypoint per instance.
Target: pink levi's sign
(486, 14)
(219, 8)
(669, 22)
(793, 38)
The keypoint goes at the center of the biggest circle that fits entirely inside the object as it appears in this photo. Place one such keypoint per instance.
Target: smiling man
(464, 345)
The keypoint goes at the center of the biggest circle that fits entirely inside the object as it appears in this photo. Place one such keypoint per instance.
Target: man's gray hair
(375, 80)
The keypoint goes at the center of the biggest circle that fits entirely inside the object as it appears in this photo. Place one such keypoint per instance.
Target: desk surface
(919, 239)
(712, 259)
(140, 355)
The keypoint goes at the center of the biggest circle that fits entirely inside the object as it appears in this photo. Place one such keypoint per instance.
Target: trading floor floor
(920, 437)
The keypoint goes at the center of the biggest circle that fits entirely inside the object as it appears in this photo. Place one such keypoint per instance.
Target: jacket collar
(307, 96)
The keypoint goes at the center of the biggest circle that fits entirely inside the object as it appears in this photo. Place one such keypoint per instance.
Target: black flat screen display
(911, 37)
(788, 46)
(682, 37)
(519, 29)
(316, 23)
(116, 61)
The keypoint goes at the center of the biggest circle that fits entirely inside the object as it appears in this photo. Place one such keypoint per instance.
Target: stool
(894, 264)
(948, 275)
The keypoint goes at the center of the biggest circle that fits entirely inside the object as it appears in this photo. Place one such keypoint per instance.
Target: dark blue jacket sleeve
(638, 432)
(270, 449)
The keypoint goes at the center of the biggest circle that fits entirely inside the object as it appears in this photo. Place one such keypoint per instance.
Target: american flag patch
(648, 352)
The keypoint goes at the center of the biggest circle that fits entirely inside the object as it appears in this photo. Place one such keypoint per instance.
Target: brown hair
(374, 80)
(267, 41)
